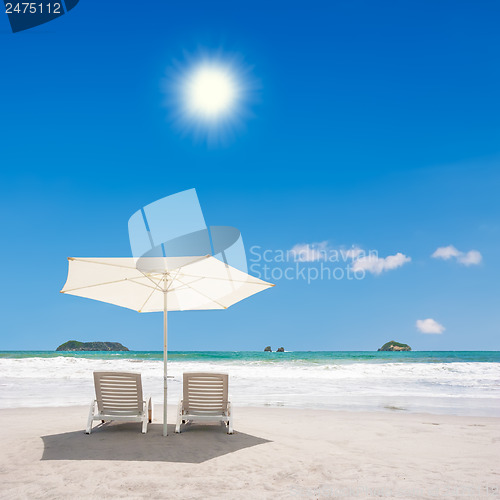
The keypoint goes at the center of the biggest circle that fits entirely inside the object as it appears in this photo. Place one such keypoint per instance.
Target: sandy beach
(284, 215)
(274, 453)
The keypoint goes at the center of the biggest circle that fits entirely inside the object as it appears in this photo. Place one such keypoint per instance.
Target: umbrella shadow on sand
(124, 442)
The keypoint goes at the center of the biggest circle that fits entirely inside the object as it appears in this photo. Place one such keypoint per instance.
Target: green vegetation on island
(395, 346)
(74, 345)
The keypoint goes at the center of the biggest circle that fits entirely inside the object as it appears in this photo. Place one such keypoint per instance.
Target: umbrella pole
(165, 363)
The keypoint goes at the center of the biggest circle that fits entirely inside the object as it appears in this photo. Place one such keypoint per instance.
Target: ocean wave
(459, 387)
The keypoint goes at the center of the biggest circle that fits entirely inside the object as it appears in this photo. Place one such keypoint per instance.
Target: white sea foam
(468, 388)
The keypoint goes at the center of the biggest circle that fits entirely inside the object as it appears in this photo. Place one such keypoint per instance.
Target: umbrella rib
(155, 289)
(144, 284)
(224, 279)
(182, 285)
(157, 285)
(201, 293)
(101, 263)
(149, 296)
(90, 261)
(190, 263)
(100, 284)
(173, 279)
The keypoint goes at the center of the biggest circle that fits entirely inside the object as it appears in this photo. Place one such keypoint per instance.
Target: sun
(210, 95)
(211, 92)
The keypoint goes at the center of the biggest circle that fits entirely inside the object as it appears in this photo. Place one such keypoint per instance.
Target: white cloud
(376, 265)
(310, 252)
(470, 258)
(360, 259)
(446, 253)
(473, 257)
(429, 325)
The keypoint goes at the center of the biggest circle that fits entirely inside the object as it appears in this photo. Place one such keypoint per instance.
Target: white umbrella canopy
(152, 284)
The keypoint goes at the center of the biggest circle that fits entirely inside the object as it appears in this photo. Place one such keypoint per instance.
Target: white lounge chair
(204, 398)
(119, 397)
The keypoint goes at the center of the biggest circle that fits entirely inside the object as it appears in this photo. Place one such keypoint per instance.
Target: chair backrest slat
(118, 393)
(205, 393)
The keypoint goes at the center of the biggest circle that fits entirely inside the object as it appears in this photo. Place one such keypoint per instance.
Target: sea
(439, 382)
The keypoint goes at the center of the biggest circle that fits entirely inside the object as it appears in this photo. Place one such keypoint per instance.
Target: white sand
(275, 453)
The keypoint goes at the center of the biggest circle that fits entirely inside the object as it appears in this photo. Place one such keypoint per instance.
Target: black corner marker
(70, 4)
(26, 15)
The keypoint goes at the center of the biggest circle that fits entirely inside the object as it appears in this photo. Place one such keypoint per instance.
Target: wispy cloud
(360, 259)
(310, 252)
(318, 251)
(429, 326)
(376, 265)
(470, 258)
(446, 253)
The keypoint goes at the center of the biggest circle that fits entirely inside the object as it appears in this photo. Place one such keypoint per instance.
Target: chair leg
(179, 418)
(230, 419)
(88, 430)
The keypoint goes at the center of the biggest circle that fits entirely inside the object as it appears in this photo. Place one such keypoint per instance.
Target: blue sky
(376, 124)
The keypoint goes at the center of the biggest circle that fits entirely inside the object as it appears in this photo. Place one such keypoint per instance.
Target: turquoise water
(273, 357)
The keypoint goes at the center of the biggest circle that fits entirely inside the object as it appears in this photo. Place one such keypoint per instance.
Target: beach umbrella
(152, 284)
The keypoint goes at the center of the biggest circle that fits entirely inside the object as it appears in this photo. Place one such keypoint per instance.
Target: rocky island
(74, 345)
(268, 349)
(395, 346)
